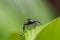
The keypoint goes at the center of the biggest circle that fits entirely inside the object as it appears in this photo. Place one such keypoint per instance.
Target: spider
(30, 22)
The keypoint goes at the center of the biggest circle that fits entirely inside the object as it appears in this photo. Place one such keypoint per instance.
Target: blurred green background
(13, 14)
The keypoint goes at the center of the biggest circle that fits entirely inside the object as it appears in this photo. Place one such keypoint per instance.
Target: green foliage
(13, 14)
(51, 31)
(16, 36)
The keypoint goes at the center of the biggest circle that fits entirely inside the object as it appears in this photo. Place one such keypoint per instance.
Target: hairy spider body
(30, 22)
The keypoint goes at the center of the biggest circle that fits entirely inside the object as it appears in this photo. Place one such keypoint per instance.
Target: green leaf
(16, 36)
(50, 31)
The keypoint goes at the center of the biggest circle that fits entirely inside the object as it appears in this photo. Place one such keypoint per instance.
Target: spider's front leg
(39, 22)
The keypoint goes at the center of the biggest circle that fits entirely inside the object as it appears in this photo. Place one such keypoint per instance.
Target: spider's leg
(22, 34)
(39, 22)
(24, 28)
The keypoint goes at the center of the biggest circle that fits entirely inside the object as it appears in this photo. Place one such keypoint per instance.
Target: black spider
(30, 22)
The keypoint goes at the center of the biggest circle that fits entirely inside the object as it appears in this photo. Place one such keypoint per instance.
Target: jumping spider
(30, 22)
